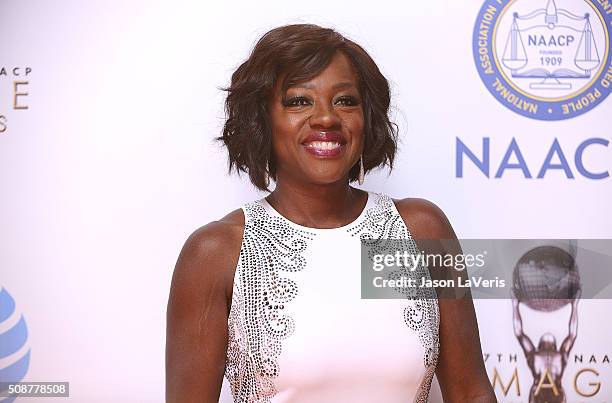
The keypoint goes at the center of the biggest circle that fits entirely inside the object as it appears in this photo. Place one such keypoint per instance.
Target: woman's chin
(328, 179)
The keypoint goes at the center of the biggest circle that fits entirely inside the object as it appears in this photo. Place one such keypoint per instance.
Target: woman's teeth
(323, 145)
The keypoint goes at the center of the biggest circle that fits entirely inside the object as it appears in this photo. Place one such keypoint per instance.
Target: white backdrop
(112, 166)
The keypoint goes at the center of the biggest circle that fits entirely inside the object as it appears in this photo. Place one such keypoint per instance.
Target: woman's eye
(297, 101)
(347, 101)
(300, 101)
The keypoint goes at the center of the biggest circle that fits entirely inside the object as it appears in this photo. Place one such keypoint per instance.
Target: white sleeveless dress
(299, 331)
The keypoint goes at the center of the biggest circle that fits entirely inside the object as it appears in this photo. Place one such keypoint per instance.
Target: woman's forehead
(338, 74)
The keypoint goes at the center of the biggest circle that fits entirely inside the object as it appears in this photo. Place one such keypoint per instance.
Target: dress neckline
(361, 215)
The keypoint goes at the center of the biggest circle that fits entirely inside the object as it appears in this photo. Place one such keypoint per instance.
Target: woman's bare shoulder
(210, 254)
(224, 234)
(198, 309)
(460, 369)
(225, 230)
(424, 219)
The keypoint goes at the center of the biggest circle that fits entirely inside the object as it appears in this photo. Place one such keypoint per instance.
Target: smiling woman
(270, 295)
(282, 77)
(321, 118)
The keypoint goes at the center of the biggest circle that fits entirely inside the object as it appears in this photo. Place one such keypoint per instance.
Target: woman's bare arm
(460, 369)
(198, 307)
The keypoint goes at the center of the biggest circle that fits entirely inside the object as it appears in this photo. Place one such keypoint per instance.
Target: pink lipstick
(324, 143)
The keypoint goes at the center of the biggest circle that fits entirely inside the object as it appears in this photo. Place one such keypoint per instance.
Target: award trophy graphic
(546, 279)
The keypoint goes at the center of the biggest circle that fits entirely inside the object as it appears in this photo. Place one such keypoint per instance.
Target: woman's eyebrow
(337, 86)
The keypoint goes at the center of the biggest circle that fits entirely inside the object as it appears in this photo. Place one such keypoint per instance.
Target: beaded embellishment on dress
(273, 251)
(384, 230)
(256, 321)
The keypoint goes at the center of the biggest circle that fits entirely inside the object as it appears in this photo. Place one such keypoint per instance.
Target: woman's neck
(329, 205)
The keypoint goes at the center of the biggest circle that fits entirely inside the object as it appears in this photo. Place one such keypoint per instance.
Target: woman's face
(317, 133)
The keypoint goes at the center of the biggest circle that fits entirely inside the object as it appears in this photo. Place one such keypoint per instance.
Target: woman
(269, 295)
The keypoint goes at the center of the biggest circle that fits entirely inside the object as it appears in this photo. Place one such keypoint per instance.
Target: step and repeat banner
(108, 110)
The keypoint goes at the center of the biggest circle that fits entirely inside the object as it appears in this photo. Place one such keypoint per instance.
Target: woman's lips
(325, 143)
(324, 148)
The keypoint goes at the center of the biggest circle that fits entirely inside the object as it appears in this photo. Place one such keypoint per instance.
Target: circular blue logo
(14, 352)
(545, 59)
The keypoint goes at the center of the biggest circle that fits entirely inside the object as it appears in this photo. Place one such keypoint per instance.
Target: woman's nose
(324, 115)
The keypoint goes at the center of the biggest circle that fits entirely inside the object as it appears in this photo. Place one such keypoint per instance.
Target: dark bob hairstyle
(299, 52)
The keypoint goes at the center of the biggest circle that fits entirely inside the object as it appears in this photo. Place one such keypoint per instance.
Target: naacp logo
(545, 59)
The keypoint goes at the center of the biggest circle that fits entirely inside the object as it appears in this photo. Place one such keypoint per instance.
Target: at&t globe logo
(14, 349)
(545, 59)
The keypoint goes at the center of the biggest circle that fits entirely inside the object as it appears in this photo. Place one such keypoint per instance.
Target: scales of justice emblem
(545, 59)
(554, 46)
